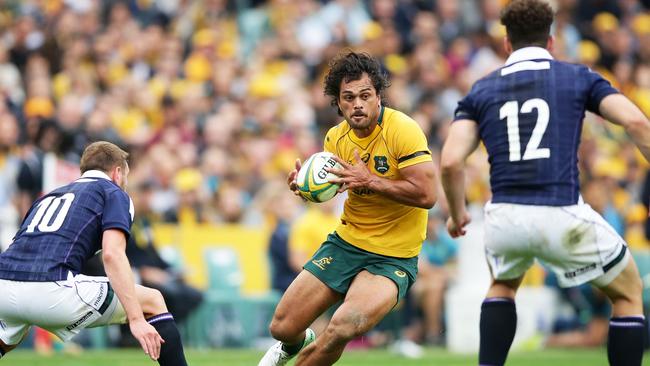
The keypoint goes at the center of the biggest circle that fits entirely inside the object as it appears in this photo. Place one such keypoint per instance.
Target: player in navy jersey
(529, 115)
(40, 278)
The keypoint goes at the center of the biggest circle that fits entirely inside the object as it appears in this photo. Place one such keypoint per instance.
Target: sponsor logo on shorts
(80, 321)
(321, 263)
(580, 271)
(3, 325)
(400, 274)
(99, 298)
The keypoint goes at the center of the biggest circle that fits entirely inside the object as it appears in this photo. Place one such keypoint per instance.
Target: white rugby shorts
(61, 307)
(573, 241)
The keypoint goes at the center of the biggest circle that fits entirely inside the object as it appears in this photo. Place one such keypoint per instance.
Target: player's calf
(171, 352)
(627, 325)
(154, 307)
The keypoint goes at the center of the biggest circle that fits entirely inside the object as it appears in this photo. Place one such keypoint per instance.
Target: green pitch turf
(433, 357)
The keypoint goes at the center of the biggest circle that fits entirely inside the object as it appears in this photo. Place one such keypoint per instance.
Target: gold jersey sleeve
(371, 221)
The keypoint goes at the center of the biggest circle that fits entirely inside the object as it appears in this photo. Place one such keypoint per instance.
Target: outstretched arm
(461, 142)
(120, 276)
(617, 109)
(416, 186)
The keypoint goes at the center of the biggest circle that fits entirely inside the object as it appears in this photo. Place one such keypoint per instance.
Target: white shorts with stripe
(61, 307)
(573, 241)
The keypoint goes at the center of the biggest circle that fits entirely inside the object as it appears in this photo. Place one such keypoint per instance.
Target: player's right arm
(120, 276)
(617, 109)
(462, 140)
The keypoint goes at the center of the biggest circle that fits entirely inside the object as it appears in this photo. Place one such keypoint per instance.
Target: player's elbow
(427, 199)
(637, 125)
(450, 165)
(110, 256)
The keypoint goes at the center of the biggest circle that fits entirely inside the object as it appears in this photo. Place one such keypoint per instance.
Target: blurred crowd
(215, 99)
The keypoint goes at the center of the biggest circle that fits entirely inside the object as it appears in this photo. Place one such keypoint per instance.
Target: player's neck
(365, 132)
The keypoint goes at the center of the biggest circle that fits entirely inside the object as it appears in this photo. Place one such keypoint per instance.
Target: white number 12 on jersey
(510, 111)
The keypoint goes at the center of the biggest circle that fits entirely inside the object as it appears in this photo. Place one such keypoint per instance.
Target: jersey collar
(95, 174)
(528, 53)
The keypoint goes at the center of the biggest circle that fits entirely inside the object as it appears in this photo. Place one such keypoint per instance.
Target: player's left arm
(121, 279)
(461, 141)
(414, 188)
(619, 110)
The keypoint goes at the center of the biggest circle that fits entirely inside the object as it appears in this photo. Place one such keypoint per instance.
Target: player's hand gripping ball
(313, 180)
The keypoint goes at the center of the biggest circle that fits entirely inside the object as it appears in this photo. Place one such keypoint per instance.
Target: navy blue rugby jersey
(64, 228)
(529, 115)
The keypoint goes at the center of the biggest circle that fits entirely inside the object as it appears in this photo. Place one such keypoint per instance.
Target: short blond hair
(104, 156)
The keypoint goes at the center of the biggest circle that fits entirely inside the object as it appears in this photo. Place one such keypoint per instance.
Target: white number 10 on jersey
(510, 111)
(46, 210)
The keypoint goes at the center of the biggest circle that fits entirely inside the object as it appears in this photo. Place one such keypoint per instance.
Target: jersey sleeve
(410, 144)
(466, 109)
(118, 212)
(599, 88)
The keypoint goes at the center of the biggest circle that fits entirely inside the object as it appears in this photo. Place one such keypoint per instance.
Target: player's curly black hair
(527, 22)
(350, 66)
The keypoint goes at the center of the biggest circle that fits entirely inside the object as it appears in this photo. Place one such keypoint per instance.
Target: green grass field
(433, 357)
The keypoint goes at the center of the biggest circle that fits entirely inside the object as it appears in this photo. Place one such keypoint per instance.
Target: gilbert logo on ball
(313, 179)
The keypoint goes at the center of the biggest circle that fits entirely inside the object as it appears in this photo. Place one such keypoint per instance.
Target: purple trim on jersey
(160, 317)
(498, 299)
(76, 238)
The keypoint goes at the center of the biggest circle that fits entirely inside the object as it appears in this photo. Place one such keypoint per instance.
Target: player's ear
(507, 45)
(550, 42)
(115, 174)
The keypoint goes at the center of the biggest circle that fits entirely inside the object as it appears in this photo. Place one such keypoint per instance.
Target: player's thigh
(151, 302)
(368, 300)
(305, 299)
(625, 291)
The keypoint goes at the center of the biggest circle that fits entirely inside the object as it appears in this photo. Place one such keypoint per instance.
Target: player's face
(360, 104)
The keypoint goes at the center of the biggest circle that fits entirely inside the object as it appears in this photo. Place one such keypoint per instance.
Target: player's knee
(282, 329)
(341, 331)
(154, 303)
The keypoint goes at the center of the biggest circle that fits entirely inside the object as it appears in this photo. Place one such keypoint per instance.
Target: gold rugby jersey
(371, 221)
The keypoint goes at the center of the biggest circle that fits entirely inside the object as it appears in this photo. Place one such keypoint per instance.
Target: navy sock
(2, 353)
(292, 349)
(498, 326)
(171, 352)
(625, 341)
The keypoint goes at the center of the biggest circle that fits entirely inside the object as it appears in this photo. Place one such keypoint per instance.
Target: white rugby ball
(313, 179)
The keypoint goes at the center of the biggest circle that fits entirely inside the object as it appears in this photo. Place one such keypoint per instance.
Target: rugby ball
(313, 180)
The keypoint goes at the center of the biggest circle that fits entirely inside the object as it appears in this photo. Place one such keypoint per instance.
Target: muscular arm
(617, 109)
(414, 188)
(119, 273)
(120, 276)
(461, 142)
